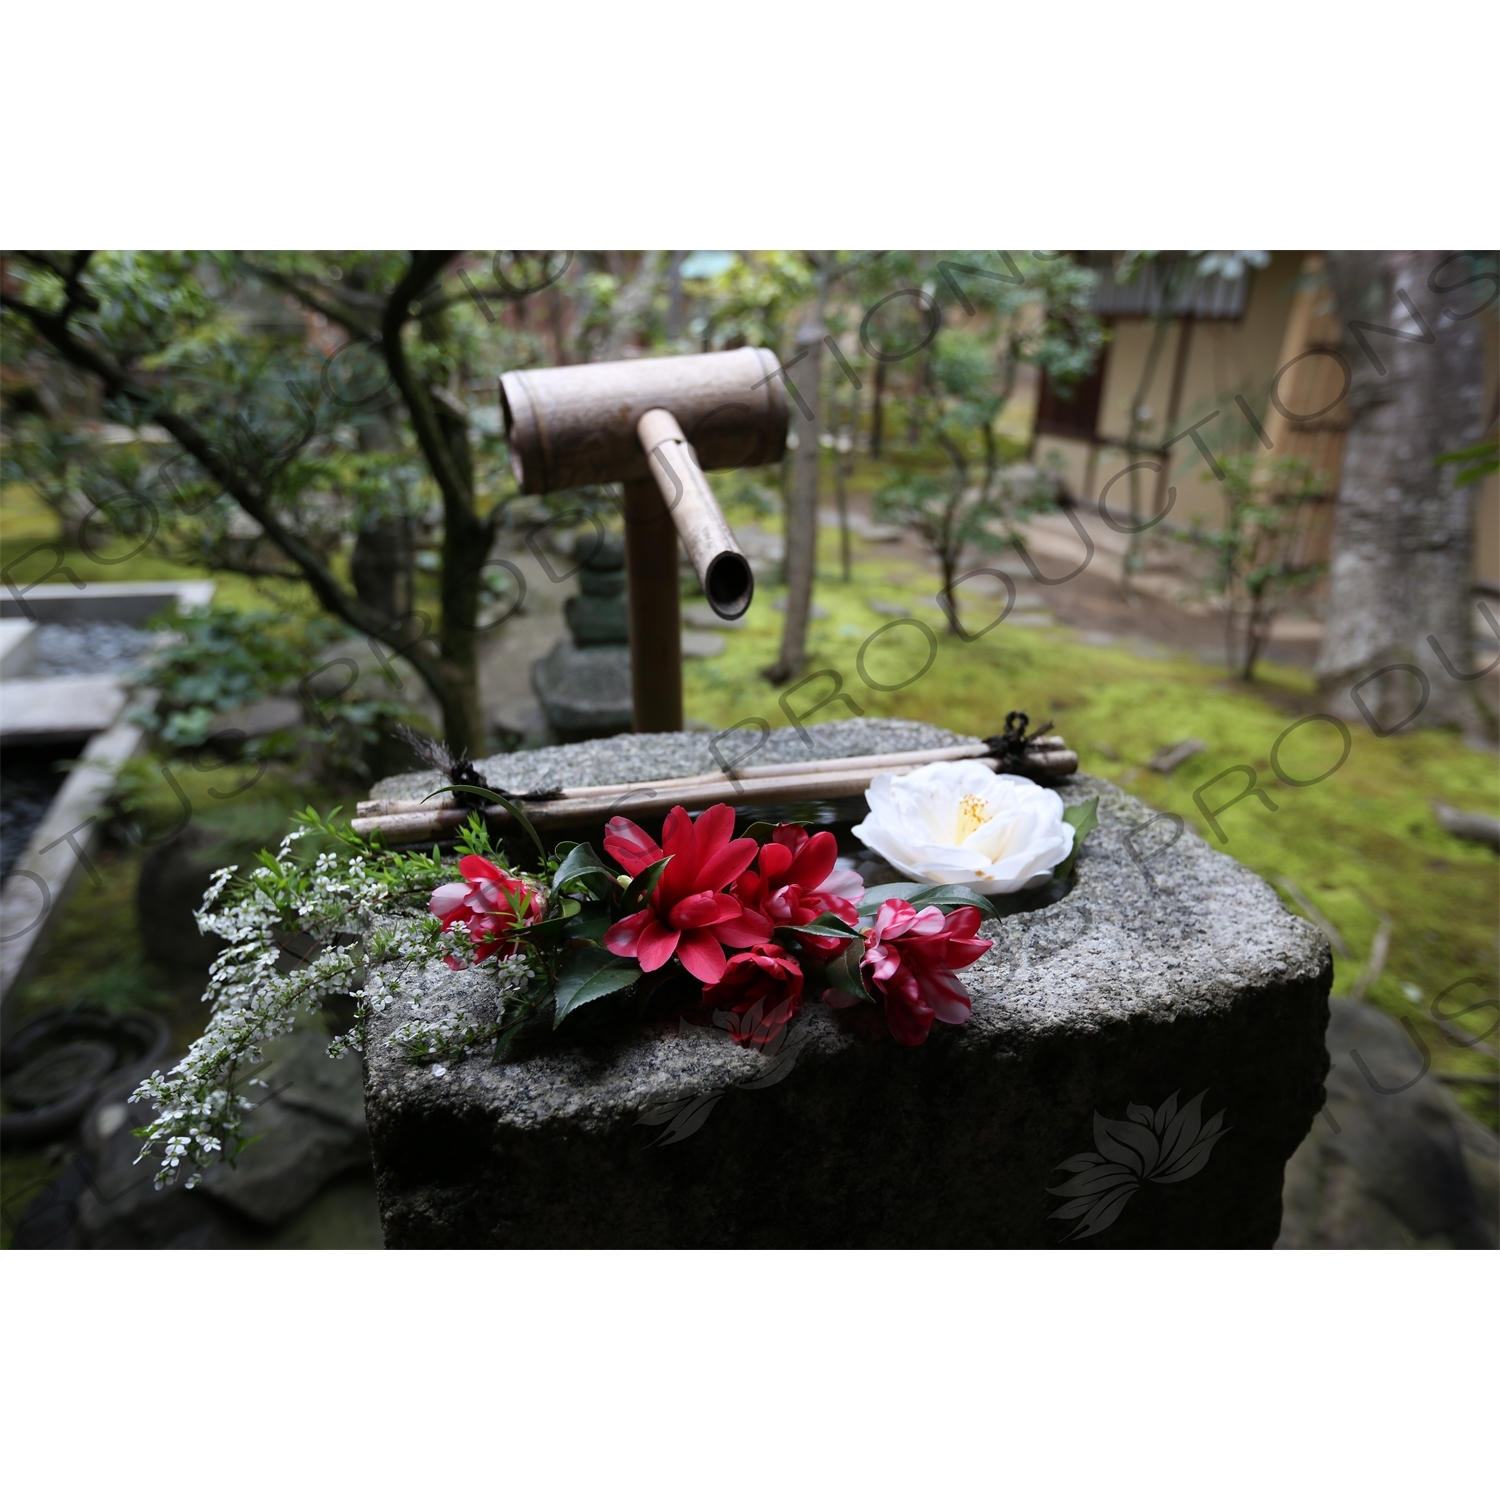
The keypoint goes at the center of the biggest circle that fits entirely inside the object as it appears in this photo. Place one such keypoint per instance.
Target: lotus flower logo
(1169, 1145)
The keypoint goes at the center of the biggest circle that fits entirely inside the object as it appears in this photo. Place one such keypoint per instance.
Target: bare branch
(335, 310)
(425, 266)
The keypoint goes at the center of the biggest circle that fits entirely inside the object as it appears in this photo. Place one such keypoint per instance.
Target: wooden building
(1197, 355)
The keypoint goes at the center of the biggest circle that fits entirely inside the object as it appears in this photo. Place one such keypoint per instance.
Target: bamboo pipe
(577, 424)
(722, 569)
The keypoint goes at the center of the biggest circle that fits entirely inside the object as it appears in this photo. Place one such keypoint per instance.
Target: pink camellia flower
(490, 904)
(795, 881)
(909, 961)
(690, 914)
(763, 990)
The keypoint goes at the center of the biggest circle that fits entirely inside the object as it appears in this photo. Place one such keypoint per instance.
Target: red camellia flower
(763, 989)
(490, 904)
(909, 961)
(690, 913)
(794, 881)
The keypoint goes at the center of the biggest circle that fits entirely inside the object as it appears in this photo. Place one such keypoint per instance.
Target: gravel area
(649, 757)
(86, 647)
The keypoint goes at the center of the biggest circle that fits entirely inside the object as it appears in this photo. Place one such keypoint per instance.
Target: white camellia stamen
(959, 823)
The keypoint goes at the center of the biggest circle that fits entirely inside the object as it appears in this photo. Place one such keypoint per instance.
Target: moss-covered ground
(1358, 843)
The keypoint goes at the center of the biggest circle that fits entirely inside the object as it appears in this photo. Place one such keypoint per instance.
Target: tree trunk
(1130, 560)
(948, 564)
(466, 544)
(1257, 628)
(846, 561)
(458, 668)
(1403, 533)
(381, 564)
(674, 295)
(802, 506)
(877, 411)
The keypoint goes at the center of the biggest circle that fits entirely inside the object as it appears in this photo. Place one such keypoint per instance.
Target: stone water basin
(1144, 1055)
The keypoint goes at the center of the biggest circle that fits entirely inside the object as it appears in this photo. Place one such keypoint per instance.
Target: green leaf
(545, 931)
(639, 889)
(828, 922)
(944, 897)
(587, 974)
(951, 897)
(506, 803)
(583, 866)
(1085, 819)
(842, 971)
(902, 890)
(589, 929)
(1480, 459)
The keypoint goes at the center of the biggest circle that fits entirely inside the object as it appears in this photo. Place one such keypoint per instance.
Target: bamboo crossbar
(408, 822)
(965, 751)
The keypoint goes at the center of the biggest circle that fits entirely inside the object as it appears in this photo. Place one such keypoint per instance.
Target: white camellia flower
(956, 822)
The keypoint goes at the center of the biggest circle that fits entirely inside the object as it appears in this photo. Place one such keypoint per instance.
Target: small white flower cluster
(295, 935)
(198, 1110)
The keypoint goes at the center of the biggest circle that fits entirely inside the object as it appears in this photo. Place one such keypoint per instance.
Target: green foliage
(1010, 310)
(581, 868)
(964, 509)
(1476, 461)
(751, 492)
(1084, 818)
(589, 974)
(944, 897)
(52, 461)
(216, 659)
(1256, 555)
(842, 972)
(262, 421)
(750, 301)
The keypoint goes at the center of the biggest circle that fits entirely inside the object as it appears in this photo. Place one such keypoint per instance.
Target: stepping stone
(702, 643)
(1169, 757)
(817, 612)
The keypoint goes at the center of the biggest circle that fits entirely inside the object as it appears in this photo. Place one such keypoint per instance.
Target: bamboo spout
(723, 570)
